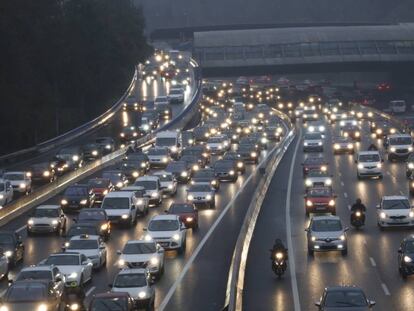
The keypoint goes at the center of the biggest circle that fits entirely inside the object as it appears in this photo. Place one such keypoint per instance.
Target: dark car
(73, 157)
(314, 163)
(116, 177)
(77, 197)
(100, 187)
(187, 212)
(164, 111)
(59, 166)
(202, 133)
(129, 134)
(98, 217)
(206, 176)
(406, 257)
(250, 140)
(234, 156)
(112, 301)
(12, 245)
(141, 160)
(89, 228)
(194, 162)
(30, 294)
(42, 172)
(200, 151)
(352, 131)
(180, 170)
(248, 153)
(107, 144)
(91, 152)
(226, 170)
(260, 139)
(187, 139)
(131, 170)
(342, 298)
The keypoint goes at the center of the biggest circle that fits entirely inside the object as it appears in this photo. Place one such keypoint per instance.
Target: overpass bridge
(320, 48)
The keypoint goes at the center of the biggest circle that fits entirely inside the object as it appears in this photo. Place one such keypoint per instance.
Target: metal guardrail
(23, 204)
(235, 283)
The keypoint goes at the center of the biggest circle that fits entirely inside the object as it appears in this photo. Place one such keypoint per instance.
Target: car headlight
(263, 140)
(329, 182)
(83, 202)
(196, 167)
(379, 165)
(30, 222)
(184, 174)
(105, 192)
(309, 203)
(154, 194)
(119, 184)
(342, 237)
(108, 147)
(240, 164)
(75, 158)
(360, 166)
(73, 275)
(411, 214)
(54, 222)
(176, 237)
(190, 197)
(135, 174)
(121, 262)
(22, 186)
(42, 307)
(342, 123)
(164, 159)
(331, 202)
(231, 172)
(411, 165)
(407, 259)
(410, 148)
(143, 164)
(125, 216)
(209, 197)
(142, 295)
(64, 202)
(305, 143)
(313, 239)
(253, 154)
(350, 146)
(308, 182)
(148, 237)
(104, 227)
(94, 153)
(336, 146)
(393, 149)
(321, 128)
(393, 131)
(46, 173)
(383, 215)
(378, 131)
(323, 168)
(154, 261)
(189, 219)
(174, 149)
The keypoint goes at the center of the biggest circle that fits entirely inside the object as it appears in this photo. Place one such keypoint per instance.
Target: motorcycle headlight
(148, 237)
(383, 215)
(393, 131)
(176, 237)
(189, 219)
(313, 239)
(240, 164)
(46, 173)
(411, 165)
(253, 154)
(143, 165)
(331, 202)
(83, 202)
(104, 227)
(279, 256)
(358, 214)
(135, 174)
(174, 149)
(350, 146)
(105, 192)
(196, 167)
(407, 259)
(75, 158)
(336, 146)
(309, 203)
(119, 184)
(108, 147)
(184, 174)
(95, 153)
(74, 307)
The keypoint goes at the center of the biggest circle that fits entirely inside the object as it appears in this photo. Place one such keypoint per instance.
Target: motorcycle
(357, 219)
(73, 303)
(279, 264)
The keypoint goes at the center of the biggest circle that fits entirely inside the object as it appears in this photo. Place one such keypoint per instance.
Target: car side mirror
(377, 206)
(346, 229)
(371, 303)
(318, 303)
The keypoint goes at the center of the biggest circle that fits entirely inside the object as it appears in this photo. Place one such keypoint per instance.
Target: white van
(121, 207)
(170, 140)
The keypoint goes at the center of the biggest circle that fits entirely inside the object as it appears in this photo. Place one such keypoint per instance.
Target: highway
(371, 262)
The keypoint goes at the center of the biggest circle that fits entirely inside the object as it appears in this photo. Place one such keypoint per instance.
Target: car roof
(48, 207)
(394, 197)
(140, 242)
(147, 178)
(133, 271)
(119, 194)
(85, 237)
(326, 217)
(343, 287)
(368, 152)
(165, 217)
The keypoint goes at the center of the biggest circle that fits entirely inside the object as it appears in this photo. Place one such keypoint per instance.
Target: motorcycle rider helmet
(358, 201)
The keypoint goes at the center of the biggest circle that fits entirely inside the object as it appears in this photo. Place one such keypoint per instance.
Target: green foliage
(63, 59)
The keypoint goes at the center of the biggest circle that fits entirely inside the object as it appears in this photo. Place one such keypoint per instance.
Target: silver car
(168, 182)
(92, 246)
(45, 219)
(43, 273)
(326, 233)
(200, 194)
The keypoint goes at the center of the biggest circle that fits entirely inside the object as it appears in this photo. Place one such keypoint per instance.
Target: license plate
(163, 244)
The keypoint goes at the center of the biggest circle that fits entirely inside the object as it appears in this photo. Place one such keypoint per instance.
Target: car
(176, 95)
(137, 283)
(187, 212)
(313, 142)
(12, 246)
(314, 163)
(250, 140)
(326, 233)
(346, 298)
(6, 192)
(76, 267)
(20, 181)
(121, 207)
(201, 195)
(226, 170)
(45, 219)
(131, 170)
(92, 151)
(348, 121)
(121, 301)
(319, 178)
(218, 144)
(42, 173)
(369, 164)
(130, 134)
(107, 144)
(164, 111)
(187, 139)
(193, 162)
(130, 104)
(140, 160)
(143, 254)
(32, 295)
(316, 126)
(395, 211)
(92, 246)
(100, 187)
(406, 257)
(309, 115)
(4, 265)
(382, 128)
(97, 217)
(80, 228)
(161, 99)
(118, 180)
(409, 166)
(158, 157)
(59, 166)
(72, 156)
(261, 139)
(168, 231)
(168, 182)
(140, 198)
(248, 153)
(351, 131)
(320, 200)
(152, 187)
(180, 170)
(343, 145)
(200, 151)
(77, 197)
(399, 146)
(206, 176)
(50, 273)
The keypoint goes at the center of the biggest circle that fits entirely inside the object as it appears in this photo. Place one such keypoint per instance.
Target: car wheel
(407, 174)
(307, 213)
(403, 274)
(344, 252)
(381, 176)
(311, 252)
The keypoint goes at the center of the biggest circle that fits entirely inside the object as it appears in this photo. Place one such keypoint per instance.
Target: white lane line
(194, 255)
(3, 292)
(385, 289)
(21, 228)
(339, 174)
(292, 267)
(373, 263)
(345, 194)
(90, 291)
(388, 173)
(342, 183)
(349, 206)
(401, 192)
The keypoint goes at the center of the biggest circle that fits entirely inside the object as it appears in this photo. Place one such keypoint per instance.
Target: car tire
(381, 176)
(408, 174)
(344, 252)
(311, 252)
(307, 213)
(150, 306)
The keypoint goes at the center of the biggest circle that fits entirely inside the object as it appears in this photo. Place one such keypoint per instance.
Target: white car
(143, 254)
(161, 100)
(20, 181)
(316, 126)
(369, 164)
(45, 219)
(92, 246)
(168, 231)
(318, 178)
(137, 283)
(4, 265)
(218, 144)
(176, 94)
(120, 206)
(51, 273)
(395, 211)
(201, 194)
(158, 157)
(6, 192)
(313, 142)
(77, 268)
(141, 200)
(152, 187)
(400, 146)
(168, 182)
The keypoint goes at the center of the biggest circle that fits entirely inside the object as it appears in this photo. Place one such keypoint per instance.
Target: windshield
(83, 244)
(409, 247)
(319, 193)
(205, 174)
(109, 304)
(176, 92)
(115, 203)
(103, 140)
(146, 184)
(112, 176)
(91, 215)
(369, 158)
(215, 141)
(76, 191)
(199, 188)
(165, 141)
(98, 183)
(313, 136)
(159, 151)
(26, 292)
(130, 280)
(34, 275)
(163, 225)
(400, 141)
(43, 212)
(161, 99)
(317, 173)
(13, 176)
(165, 177)
(223, 164)
(396, 204)
(139, 248)
(63, 260)
(176, 167)
(181, 208)
(79, 230)
(345, 298)
(326, 225)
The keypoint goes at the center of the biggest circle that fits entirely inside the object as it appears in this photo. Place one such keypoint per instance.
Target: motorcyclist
(358, 207)
(74, 295)
(278, 246)
(372, 147)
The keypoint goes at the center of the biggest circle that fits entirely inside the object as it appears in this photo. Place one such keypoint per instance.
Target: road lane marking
(349, 206)
(340, 174)
(385, 289)
(342, 183)
(373, 263)
(345, 194)
(194, 255)
(401, 192)
(292, 267)
(388, 173)
(90, 291)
